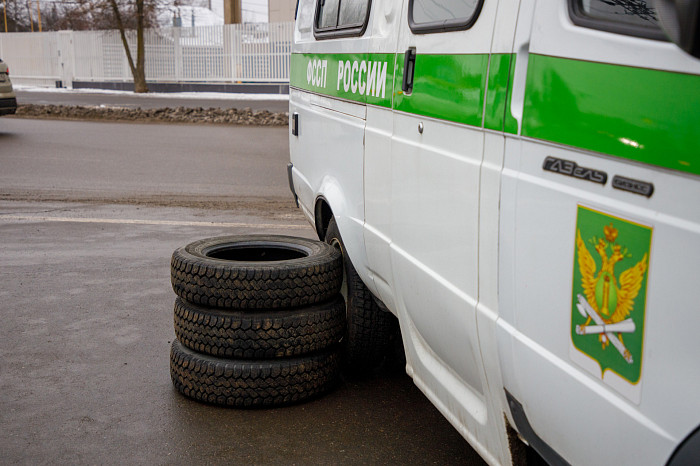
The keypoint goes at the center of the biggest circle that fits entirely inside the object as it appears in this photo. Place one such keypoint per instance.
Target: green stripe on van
(648, 116)
(449, 87)
(363, 78)
(496, 112)
(644, 115)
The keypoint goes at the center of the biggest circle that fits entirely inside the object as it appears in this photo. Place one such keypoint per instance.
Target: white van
(518, 182)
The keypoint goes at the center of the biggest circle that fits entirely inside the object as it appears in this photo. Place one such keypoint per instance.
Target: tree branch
(122, 33)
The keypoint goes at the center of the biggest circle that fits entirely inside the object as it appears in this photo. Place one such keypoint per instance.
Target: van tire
(256, 272)
(259, 335)
(370, 331)
(251, 384)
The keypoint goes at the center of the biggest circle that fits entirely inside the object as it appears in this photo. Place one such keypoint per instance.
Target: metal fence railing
(256, 52)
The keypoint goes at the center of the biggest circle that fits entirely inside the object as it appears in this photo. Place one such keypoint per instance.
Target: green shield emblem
(611, 262)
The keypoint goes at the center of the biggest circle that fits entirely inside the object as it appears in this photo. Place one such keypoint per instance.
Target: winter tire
(251, 384)
(370, 331)
(260, 334)
(256, 272)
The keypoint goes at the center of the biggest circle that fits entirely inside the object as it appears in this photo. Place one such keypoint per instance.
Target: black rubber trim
(290, 166)
(8, 106)
(10, 102)
(643, 188)
(688, 451)
(294, 122)
(443, 26)
(579, 18)
(528, 433)
(351, 30)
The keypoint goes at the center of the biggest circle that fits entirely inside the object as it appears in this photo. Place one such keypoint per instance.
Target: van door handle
(517, 101)
(409, 65)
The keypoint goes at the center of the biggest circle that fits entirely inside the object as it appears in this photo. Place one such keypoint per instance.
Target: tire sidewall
(201, 250)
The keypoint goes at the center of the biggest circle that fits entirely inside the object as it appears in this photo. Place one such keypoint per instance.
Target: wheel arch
(322, 216)
(334, 200)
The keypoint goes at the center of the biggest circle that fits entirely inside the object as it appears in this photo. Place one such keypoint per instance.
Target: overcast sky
(254, 11)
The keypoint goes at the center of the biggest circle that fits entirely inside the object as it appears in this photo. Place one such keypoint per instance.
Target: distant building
(281, 10)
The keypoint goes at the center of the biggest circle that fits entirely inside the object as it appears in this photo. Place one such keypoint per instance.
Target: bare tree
(138, 69)
(129, 17)
(15, 16)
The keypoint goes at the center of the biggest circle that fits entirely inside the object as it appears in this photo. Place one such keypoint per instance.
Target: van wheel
(256, 272)
(251, 384)
(259, 334)
(370, 329)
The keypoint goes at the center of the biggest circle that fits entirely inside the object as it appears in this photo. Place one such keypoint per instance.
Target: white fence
(231, 53)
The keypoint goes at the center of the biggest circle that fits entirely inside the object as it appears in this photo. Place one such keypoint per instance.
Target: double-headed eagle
(608, 301)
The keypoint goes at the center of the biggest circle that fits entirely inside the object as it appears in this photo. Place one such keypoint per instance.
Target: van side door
(433, 214)
(600, 234)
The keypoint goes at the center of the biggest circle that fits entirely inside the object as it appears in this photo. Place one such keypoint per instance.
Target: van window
(352, 12)
(631, 17)
(328, 14)
(341, 17)
(439, 16)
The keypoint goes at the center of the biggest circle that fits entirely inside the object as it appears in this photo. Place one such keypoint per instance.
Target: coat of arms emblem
(611, 262)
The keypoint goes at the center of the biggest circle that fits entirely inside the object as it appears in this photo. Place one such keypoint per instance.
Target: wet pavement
(85, 335)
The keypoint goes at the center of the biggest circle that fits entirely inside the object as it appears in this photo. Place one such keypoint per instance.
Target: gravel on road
(232, 116)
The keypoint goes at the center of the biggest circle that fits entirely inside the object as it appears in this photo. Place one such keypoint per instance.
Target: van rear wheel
(370, 330)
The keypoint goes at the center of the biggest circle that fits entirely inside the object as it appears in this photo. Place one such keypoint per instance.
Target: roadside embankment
(231, 116)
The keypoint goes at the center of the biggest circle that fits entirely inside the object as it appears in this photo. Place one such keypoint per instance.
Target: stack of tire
(258, 320)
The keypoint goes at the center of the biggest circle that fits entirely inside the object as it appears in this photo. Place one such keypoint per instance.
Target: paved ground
(147, 101)
(167, 163)
(87, 315)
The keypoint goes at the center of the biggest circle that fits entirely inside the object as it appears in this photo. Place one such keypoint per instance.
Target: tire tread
(252, 384)
(259, 335)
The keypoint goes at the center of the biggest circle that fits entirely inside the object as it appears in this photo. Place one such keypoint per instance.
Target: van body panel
(567, 101)
(606, 163)
(331, 124)
(377, 199)
(523, 202)
(437, 152)
(386, 24)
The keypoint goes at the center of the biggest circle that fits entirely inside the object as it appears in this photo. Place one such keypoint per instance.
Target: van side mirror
(680, 20)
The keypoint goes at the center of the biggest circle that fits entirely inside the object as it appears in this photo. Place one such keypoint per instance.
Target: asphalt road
(89, 216)
(146, 101)
(66, 160)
